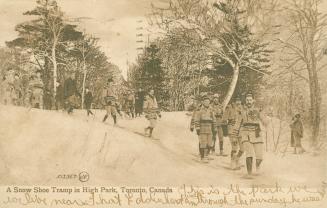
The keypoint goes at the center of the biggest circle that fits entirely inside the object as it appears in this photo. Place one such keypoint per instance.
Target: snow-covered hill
(36, 146)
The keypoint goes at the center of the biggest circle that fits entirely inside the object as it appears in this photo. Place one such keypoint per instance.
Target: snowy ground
(36, 146)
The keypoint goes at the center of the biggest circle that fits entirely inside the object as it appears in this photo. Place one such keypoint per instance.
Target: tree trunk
(315, 102)
(54, 61)
(315, 96)
(83, 85)
(232, 86)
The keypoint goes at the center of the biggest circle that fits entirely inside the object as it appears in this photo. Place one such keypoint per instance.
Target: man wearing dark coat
(69, 91)
(297, 134)
(88, 101)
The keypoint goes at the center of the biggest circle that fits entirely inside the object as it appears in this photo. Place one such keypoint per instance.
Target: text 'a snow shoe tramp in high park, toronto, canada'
(88, 190)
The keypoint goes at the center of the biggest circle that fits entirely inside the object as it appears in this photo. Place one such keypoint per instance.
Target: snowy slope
(36, 146)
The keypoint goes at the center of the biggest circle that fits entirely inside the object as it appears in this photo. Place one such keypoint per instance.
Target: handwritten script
(183, 196)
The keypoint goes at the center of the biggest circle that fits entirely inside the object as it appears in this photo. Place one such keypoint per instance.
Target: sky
(113, 21)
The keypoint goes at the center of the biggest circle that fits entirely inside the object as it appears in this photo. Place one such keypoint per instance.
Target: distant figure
(6, 91)
(139, 99)
(297, 134)
(18, 90)
(69, 91)
(130, 104)
(109, 101)
(151, 110)
(59, 97)
(88, 101)
(36, 85)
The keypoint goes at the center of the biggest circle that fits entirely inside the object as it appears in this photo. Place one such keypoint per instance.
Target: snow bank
(36, 146)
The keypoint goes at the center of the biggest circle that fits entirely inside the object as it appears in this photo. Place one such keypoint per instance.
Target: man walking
(109, 101)
(250, 132)
(151, 110)
(218, 112)
(205, 125)
(36, 85)
(88, 101)
(233, 115)
(297, 134)
(70, 91)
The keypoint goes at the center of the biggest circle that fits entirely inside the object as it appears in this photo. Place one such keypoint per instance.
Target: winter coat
(205, 121)
(150, 107)
(296, 133)
(233, 116)
(250, 129)
(218, 113)
(88, 99)
(108, 95)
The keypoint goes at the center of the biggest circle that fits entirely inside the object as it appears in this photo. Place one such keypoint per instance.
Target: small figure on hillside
(88, 98)
(59, 96)
(70, 91)
(139, 99)
(109, 101)
(130, 104)
(36, 85)
(18, 90)
(7, 90)
(152, 112)
(297, 134)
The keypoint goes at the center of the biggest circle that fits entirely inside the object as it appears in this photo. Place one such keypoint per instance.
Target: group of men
(132, 107)
(241, 123)
(13, 93)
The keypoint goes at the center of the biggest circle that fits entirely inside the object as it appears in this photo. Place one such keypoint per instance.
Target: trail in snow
(36, 146)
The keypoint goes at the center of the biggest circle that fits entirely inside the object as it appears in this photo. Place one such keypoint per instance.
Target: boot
(202, 156)
(150, 133)
(115, 119)
(206, 153)
(221, 146)
(239, 154)
(257, 165)
(232, 160)
(146, 131)
(105, 118)
(209, 156)
(249, 165)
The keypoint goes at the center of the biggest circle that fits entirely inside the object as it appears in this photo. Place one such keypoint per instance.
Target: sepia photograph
(163, 103)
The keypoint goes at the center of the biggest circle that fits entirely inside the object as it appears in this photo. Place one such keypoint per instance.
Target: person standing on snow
(70, 91)
(151, 110)
(139, 102)
(88, 101)
(297, 134)
(109, 101)
(205, 125)
(36, 85)
(218, 112)
(233, 116)
(250, 133)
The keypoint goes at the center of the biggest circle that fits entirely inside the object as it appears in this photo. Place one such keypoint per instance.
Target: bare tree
(304, 46)
(224, 32)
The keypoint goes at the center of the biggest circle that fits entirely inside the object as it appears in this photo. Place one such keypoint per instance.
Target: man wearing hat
(250, 134)
(109, 99)
(233, 116)
(205, 125)
(218, 113)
